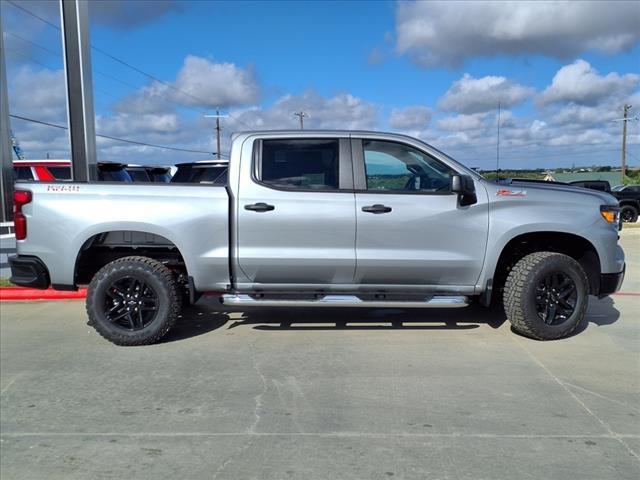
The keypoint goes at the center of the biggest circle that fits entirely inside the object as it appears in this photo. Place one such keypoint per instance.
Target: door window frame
(360, 173)
(345, 169)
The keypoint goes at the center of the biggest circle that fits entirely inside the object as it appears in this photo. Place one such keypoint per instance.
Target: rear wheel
(629, 213)
(133, 301)
(546, 295)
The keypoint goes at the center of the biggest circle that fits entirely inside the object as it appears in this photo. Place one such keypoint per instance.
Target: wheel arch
(104, 246)
(575, 246)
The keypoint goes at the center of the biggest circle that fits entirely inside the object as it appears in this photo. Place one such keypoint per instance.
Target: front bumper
(28, 271)
(611, 282)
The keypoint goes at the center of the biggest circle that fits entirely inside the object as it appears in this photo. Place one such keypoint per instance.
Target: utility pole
(302, 115)
(625, 118)
(498, 147)
(217, 116)
(624, 140)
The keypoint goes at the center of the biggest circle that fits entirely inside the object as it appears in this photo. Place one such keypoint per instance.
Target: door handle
(377, 208)
(259, 207)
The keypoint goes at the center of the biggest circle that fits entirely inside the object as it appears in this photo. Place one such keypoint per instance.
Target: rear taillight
(20, 198)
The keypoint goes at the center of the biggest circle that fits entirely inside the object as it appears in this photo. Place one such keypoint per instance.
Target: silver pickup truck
(322, 219)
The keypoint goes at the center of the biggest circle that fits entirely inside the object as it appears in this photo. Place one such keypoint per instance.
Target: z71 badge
(507, 192)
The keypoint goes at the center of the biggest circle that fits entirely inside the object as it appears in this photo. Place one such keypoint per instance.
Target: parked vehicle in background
(629, 199)
(601, 185)
(320, 219)
(47, 170)
(149, 173)
(204, 171)
(138, 173)
(113, 172)
(159, 174)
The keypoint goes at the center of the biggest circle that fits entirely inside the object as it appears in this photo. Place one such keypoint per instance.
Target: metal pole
(77, 64)
(6, 170)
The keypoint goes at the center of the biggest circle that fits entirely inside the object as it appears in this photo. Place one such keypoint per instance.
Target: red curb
(22, 293)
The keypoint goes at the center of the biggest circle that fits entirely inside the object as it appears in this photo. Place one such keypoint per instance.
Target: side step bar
(440, 301)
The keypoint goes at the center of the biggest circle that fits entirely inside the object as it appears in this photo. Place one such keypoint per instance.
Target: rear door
(296, 213)
(411, 229)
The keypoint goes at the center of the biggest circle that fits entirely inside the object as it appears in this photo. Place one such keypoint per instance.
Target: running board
(440, 301)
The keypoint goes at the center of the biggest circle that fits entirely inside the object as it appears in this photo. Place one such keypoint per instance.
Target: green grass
(5, 283)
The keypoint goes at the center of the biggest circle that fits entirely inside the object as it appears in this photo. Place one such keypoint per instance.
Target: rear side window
(22, 174)
(300, 164)
(114, 175)
(60, 173)
(214, 174)
(138, 175)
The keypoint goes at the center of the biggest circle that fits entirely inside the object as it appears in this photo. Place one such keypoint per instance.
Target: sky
(560, 71)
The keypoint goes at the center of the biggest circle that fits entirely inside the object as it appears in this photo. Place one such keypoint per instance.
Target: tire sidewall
(633, 210)
(566, 266)
(96, 297)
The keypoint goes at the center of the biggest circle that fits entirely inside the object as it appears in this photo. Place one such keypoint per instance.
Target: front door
(296, 216)
(410, 227)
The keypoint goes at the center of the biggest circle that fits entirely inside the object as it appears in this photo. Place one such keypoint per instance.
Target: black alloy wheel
(556, 298)
(130, 303)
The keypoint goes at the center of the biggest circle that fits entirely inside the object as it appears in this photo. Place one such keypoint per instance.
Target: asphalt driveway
(306, 394)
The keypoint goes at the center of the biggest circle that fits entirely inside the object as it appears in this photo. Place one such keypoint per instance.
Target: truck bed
(194, 218)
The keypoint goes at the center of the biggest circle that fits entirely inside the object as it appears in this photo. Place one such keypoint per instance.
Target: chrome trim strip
(441, 301)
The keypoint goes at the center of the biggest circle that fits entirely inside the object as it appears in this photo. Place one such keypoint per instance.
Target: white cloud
(463, 122)
(209, 84)
(580, 83)
(38, 94)
(410, 118)
(447, 33)
(343, 111)
(475, 95)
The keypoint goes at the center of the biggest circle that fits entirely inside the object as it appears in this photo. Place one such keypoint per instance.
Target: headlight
(611, 213)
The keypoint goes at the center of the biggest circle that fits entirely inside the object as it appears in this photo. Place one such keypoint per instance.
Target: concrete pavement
(309, 394)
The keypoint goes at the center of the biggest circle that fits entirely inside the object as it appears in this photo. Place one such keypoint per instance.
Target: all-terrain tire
(155, 276)
(520, 292)
(629, 213)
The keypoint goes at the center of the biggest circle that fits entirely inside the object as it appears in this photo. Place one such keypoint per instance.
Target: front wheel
(629, 214)
(546, 295)
(133, 301)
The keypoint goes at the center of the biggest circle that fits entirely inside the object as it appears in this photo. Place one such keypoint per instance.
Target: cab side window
(300, 164)
(396, 167)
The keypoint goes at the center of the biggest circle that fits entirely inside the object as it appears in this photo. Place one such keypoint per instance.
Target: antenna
(498, 147)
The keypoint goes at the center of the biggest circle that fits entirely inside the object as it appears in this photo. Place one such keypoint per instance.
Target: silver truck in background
(321, 218)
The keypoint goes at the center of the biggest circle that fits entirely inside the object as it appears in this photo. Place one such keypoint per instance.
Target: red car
(41, 170)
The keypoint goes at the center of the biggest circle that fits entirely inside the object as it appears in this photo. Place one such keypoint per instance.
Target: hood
(558, 187)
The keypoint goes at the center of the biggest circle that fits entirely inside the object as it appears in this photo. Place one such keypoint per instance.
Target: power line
(125, 140)
(99, 72)
(42, 47)
(240, 121)
(133, 67)
(29, 12)
(113, 57)
(29, 57)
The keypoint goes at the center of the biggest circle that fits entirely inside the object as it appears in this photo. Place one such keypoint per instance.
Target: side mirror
(465, 188)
